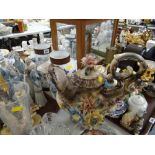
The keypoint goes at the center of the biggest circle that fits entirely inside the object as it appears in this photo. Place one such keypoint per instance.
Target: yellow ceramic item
(69, 67)
(5, 131)
(17, 109)
(148, 75)
(94, 119)
(3, 84)
(36, 119)
(100, 79)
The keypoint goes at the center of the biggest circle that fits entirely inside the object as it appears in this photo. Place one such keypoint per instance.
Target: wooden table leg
(114, 34)
(80, 34)
(54, 35)
(89, 43)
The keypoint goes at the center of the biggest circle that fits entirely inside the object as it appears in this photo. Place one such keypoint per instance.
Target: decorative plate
(119, 109)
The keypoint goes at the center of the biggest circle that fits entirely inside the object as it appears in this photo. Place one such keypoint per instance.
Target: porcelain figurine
(112, 88)
(53, 89)
(89, 62)
(19, 64)
(40, 98)
(28, 67)
(4, 89)
(150, 89)
(149, 78)
(21, 69)
(122, 37)
(14, 73)
(139, 38)
(7, 90)
(134, 87)
(147, 35)
(76, 116)
(44, 80)
(16, 114)
(134, 116)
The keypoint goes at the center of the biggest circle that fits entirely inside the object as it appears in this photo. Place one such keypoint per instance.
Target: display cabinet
(81, 25)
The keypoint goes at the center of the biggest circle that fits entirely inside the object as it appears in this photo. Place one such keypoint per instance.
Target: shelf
(35, 28)
(151, 27)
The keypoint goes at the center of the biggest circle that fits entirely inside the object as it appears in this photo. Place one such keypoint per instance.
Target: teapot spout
(62, 82)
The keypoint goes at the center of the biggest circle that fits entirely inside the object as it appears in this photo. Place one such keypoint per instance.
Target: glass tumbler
(61, 129)
(38, 130)
(48, 122)
(52, 126)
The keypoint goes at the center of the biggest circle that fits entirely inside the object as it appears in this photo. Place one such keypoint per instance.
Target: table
(35, 28)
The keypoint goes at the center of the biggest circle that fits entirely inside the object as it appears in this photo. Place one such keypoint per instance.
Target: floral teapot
(90, 77)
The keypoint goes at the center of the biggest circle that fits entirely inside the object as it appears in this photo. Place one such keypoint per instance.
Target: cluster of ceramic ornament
(16, 77)
(80, 96)
(90, 95)
(86, 109)
(134, 82)
(133, 119)
(15, 112)
(10, 72)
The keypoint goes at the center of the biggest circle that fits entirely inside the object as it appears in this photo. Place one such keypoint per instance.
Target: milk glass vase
(16, 114)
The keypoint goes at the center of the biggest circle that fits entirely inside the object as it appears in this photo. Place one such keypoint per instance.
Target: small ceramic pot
(137, 105)
(59, 57)
(42, 49)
